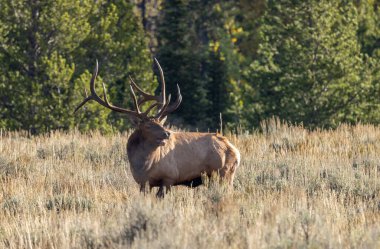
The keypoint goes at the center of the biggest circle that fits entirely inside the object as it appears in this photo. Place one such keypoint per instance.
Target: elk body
(163, 158)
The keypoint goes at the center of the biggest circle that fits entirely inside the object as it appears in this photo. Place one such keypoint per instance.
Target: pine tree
(197, 51)
(369, 28)
(369, 37)
(36, 37)
(309, 67)
(47, 53)
(180, 54)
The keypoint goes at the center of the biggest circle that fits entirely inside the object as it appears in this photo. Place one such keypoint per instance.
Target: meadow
(294, 189)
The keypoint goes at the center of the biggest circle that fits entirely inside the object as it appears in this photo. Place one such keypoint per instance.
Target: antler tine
(105, 94)
(159, 114)
(92, 88)
(170, 108)
(150, 108)
(82, 103)
(92, 81)
(146, 96)
(105, 103)
(135, 100)
(163, 91)
(161, 100)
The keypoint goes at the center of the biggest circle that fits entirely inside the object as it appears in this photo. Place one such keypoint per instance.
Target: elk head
(150, 126)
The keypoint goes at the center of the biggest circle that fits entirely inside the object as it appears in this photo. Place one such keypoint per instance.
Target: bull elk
(161, 157)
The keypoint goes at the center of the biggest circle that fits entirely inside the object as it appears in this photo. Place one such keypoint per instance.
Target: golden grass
(294, 189)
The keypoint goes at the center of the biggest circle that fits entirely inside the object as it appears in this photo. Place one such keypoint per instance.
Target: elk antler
(160, 101)
(105, 103)
(147, 97)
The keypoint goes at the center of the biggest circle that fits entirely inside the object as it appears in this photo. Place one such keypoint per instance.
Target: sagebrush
(294, 189)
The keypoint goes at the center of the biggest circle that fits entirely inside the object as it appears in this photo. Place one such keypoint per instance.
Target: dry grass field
(293, 189)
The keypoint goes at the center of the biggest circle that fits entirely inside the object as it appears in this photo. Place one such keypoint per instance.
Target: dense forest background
(314, 62)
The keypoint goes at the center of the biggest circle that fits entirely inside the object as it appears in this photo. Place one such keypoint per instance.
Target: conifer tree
(309, 67)
(369, 37)
(197, 52)
(47, 54)
(36, 37)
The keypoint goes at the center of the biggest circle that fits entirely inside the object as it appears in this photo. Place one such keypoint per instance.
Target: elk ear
(163, 120)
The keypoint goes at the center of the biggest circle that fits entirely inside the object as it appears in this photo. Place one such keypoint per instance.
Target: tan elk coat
(183, 157)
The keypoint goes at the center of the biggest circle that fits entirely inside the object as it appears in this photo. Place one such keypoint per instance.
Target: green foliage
(46, 48)
(369, 37)
(369, 29)
(309, 67)
(36, 38)
(311, 62)
(197, 51)
(180, 63)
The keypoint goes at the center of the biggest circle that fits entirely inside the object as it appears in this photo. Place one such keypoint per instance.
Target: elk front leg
(144, 187)
(164, 185)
